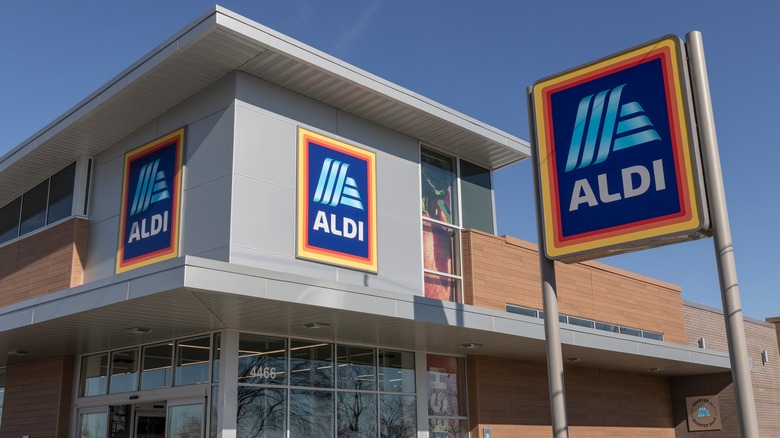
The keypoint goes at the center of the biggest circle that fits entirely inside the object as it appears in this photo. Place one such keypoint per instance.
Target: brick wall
(511, 397)
(504, 270)
(37, 398)
(43, 262)
(708, 323)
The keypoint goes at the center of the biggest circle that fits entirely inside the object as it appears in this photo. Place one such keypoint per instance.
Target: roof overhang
(186, 296)
(216, 44)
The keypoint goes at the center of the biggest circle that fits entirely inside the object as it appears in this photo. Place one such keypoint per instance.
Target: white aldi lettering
(158, 223)
(336, 202)
(149, 216)
(349, 228)
(635, 182)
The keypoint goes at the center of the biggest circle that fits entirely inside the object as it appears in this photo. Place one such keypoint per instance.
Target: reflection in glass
(185, 421)
(34, 208)
(215, 359)
(214, 414)
(311, 364)
(311, 414)
(440, 248)
(357, 415)
(9, 220)
(157, 370)
(94, 375)
(396, 371)
(61, 194)
(446, 386)
(356, 368)
(440, 254)
(476, 197)
(93, 425)
(119, 421)
(261, 412)
(442, 288)
(124, 371)
(447, 428)
(192, 361)
(262, 360)
(438, 186)
(398, 416)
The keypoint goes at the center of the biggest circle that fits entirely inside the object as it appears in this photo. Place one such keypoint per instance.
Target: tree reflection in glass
(356, 368)
(261, 412)
(357, 415)
(262, 360)
(398, 416)
(311, 364)
(311, 414)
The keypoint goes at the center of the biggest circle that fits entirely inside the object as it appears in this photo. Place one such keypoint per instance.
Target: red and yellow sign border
(303, 248)
(176, 140)
(655, 231)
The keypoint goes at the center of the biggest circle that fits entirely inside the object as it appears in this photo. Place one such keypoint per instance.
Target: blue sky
(474, 56)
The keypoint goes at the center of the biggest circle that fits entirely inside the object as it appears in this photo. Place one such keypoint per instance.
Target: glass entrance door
(160, 419)
(186, 419)
(150, 424)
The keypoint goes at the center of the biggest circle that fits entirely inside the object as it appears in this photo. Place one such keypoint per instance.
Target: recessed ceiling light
(575, 359)
(655, 370)
(138, 330)
(18, 353)
(316, 325)
(470, 345)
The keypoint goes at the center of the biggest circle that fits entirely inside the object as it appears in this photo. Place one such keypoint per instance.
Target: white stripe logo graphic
(630, 128)
(151, 188)
(334, 187)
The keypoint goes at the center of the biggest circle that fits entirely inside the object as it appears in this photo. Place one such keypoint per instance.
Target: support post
(552, 328)
(724, 250)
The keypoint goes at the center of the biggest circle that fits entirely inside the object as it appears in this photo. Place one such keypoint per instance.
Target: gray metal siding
(206, 186)
(263, 222)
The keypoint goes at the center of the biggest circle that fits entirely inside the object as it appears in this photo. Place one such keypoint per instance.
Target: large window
(330, 390)
(46, 203)
(455, 194)
(447, 415)
(179, 363)
(441, 233)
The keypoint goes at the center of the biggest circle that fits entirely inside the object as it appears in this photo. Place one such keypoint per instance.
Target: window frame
(456, 225)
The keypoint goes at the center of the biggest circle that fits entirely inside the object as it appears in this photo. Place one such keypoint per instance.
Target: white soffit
(216, 44)
(190, 295)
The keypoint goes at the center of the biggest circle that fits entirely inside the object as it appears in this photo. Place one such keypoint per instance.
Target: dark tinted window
(9, 220)
(476, 197)
(34, 208)
(61, 194)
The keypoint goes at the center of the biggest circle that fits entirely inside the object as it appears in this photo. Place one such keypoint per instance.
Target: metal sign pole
(552, 329)
(724, 250)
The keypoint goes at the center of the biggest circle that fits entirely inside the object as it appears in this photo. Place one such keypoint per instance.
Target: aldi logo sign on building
(336, 202)
(151, 194)
(618, 162)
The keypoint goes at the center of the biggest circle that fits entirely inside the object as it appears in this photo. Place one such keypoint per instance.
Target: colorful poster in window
(445, 392)
(336, 202)
(151, 203)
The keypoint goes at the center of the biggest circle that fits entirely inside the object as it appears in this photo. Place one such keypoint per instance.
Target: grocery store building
(242, 236)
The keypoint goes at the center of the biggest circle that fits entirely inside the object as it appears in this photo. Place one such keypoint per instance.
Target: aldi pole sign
(151, 200)
(336, 202)
(617, 155)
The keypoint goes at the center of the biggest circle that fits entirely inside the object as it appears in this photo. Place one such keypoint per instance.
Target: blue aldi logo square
(618, 163)
(336, 202)
(149, 218)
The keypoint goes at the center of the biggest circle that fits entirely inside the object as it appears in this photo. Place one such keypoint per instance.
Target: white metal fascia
(322, 61)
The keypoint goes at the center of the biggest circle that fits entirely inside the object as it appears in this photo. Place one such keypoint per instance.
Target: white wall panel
(264, 194)
(208, 119)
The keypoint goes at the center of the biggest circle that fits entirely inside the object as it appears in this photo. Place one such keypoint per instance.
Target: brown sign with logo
(703, 413)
